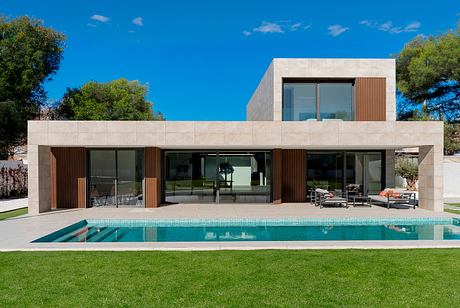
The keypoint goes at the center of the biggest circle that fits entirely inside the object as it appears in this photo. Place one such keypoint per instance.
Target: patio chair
(390, 197)
(325, 198)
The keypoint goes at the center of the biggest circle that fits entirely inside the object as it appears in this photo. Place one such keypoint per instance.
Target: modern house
(310, 123)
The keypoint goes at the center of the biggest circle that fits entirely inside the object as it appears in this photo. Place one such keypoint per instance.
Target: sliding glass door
(115, 178)
(335, 170)
(212, 177)
(364, 169)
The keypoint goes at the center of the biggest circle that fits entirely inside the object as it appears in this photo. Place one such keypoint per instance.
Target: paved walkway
(17, 233)
(12, 204)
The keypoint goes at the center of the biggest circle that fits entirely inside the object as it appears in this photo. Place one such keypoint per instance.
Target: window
(299, 101)
(319, 100)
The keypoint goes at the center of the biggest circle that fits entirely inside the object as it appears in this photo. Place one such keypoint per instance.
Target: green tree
(451, 138)
(30, 54)
(428, 71)
(407, 168)
(115, 100)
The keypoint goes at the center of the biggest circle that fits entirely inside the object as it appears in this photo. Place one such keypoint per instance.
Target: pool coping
(249, 245)
(253, 245)
(16, 234)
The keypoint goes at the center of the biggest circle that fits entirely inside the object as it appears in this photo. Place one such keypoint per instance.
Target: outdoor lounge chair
(395, 197)
(325, 198)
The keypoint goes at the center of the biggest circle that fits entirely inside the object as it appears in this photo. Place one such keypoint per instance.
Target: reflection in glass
(115, 178)
(190, 177)
(365, 170)
(336, 101)
(217, 177)
(243, 177)
(130, 175)
(102, 175)
(325, 170)
(299, 101)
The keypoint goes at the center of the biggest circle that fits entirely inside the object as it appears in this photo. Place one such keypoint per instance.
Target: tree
(407, 168)
(13, 126)
(115, 100)
(451, 138)
(30, 54)
(428, 71)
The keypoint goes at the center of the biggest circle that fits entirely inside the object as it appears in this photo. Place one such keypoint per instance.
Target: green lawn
(14, 213)
(452, 211)
(427, 277)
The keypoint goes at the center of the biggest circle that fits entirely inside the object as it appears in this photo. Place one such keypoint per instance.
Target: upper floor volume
(326, 89)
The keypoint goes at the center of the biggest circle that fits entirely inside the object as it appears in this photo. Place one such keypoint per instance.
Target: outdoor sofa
(390, 197)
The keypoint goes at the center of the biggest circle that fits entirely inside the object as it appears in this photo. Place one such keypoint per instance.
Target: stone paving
(17, 233)
(7, 205)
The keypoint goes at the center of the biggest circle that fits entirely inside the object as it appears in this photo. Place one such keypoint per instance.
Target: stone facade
(264, 130)
(268, 95)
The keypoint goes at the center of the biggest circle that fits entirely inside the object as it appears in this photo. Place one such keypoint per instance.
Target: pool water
(295, 230)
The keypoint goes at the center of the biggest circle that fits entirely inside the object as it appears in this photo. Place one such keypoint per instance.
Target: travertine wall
(430, 183)
(271, 94)
(318, 135)
(39, 178)
(260, 106)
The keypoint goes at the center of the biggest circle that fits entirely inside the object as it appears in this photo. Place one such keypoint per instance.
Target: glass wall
(334, 171)
(325, 170)
(365, 171)
(116, 178)
(318, 100)
(299, 101)
(336, 101)
(205, 177)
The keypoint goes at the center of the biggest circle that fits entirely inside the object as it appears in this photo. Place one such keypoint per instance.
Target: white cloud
(131, 31)
(91, 25)
(100, 18)
(369, 23)
(138, 21)
(389, 27)
(269, 27)
(295, 27)
(336, 30)
(281, 26)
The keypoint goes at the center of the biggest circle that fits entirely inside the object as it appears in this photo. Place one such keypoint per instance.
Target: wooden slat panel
(294, 176)
(68, 177)
(370, 102)
(277, 175)
(153, 182)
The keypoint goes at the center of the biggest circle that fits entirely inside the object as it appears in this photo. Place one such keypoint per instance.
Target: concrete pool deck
(17, 233)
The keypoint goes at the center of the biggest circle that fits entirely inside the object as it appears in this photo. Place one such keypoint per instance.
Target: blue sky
(202, 60)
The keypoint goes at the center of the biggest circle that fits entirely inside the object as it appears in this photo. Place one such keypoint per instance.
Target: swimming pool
(195, 230)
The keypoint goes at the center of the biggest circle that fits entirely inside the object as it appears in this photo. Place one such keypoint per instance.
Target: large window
(115, 177)
(217, 176)
(318, 100)
(336, 170)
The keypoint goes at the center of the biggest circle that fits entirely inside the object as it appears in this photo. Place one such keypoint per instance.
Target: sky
(202, 60)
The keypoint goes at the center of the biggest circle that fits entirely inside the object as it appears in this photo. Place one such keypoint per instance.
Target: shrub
(407, 168)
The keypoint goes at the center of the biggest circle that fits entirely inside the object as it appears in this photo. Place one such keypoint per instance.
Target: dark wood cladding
(293, 176)
(277, 175)
(370, 101)
(68, 177)
(152, 169)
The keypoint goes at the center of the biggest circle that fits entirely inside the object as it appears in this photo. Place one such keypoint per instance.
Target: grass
(13, 213)
(452, 211)
(427, 277)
